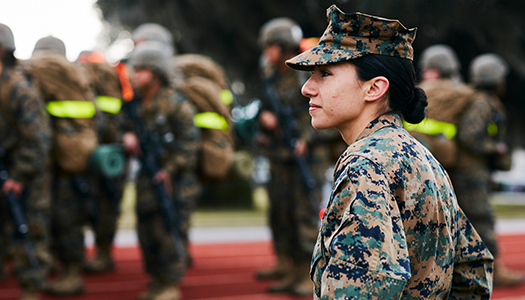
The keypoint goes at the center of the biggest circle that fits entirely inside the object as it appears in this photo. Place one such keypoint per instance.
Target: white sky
(76, 22)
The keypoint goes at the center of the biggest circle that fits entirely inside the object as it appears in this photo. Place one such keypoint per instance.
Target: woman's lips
(313, 107)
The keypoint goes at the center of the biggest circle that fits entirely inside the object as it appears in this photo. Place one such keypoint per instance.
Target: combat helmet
(488, 70)
(50, 43)
(7, 39)
(282, 31)
(442, 58)
(152, 32)
(152, 55)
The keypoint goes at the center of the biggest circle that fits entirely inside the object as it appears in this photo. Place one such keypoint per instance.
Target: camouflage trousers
(71, 213)
(107, 194)
(36, 204)
(472, 187)
(293, 222)
(158, 251)
(67, 221)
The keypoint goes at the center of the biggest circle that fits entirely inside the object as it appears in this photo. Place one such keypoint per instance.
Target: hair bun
(415, 110)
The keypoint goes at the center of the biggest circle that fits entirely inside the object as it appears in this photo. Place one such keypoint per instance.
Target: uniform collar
(388, 120)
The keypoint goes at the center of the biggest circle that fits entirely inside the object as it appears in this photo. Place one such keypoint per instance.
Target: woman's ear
(377, 88)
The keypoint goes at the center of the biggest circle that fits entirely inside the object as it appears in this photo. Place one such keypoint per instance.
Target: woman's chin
(320, 126)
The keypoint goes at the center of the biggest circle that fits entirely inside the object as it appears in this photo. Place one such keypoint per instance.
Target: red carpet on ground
(225, 272)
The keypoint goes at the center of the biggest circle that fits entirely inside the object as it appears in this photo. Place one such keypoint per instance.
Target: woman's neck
(351, 131)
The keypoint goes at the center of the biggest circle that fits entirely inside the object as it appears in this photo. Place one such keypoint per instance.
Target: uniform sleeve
(33, 125)
(473, 266)
(188, 139)
(368, 250)
(473, 129)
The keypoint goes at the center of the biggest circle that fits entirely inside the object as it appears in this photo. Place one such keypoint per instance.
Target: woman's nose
(308, 89)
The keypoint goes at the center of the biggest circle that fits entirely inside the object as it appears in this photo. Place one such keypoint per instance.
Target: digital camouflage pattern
(447, 102)
(292, 220)
(349, 36)
(393, 228)
(106, 192)
(68, 217)
(26, 136)
(170, 116)
(24, 126)
(104, 81)
(477, 157)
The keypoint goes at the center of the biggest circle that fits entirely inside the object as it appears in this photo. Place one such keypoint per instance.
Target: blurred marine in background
(25, 143)
(168, 121)
(292, 217)
(464, 130)
(105, 182)
(488, 120)
(69, 101)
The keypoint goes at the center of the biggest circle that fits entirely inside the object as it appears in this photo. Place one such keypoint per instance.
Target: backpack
(204, 83)
(65, 89)
(447, 101)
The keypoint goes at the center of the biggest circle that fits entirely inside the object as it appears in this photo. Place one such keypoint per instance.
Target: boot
(29, 295)
(71, 282)
(281, 267)
(504, 276)
(103, 262)
(157, 291)
(303, 285)
(285, 285)
(169, 293)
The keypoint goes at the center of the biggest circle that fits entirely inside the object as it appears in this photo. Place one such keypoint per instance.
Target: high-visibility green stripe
(226, 96)
(492, 129)
(210, 120)
(108, 104)
(433, 127)
(71, 109)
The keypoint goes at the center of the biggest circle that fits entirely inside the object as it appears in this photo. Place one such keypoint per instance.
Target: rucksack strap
(433, 127)
(210, 120)
(108, 104)
(71, 109)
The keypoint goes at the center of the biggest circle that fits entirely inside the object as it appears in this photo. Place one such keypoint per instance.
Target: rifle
(17, 215)
(83, 191)
(290, 130)
(151, 151)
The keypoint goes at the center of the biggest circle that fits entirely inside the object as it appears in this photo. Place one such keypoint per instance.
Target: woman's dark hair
(404, 97)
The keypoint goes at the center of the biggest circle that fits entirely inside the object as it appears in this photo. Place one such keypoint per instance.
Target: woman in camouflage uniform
(392, 228)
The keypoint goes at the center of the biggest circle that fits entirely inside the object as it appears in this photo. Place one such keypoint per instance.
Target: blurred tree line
(227, 30)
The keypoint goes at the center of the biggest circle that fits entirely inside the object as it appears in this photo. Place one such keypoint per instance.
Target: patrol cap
(7, 39)
(50, 43)
(488, 69)
(349, 36)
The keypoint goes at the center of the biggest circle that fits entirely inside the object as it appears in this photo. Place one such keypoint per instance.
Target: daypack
(204, 83)
(65, 89)
(447, 101)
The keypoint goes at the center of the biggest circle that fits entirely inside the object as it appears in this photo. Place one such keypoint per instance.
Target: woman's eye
(325, 73)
